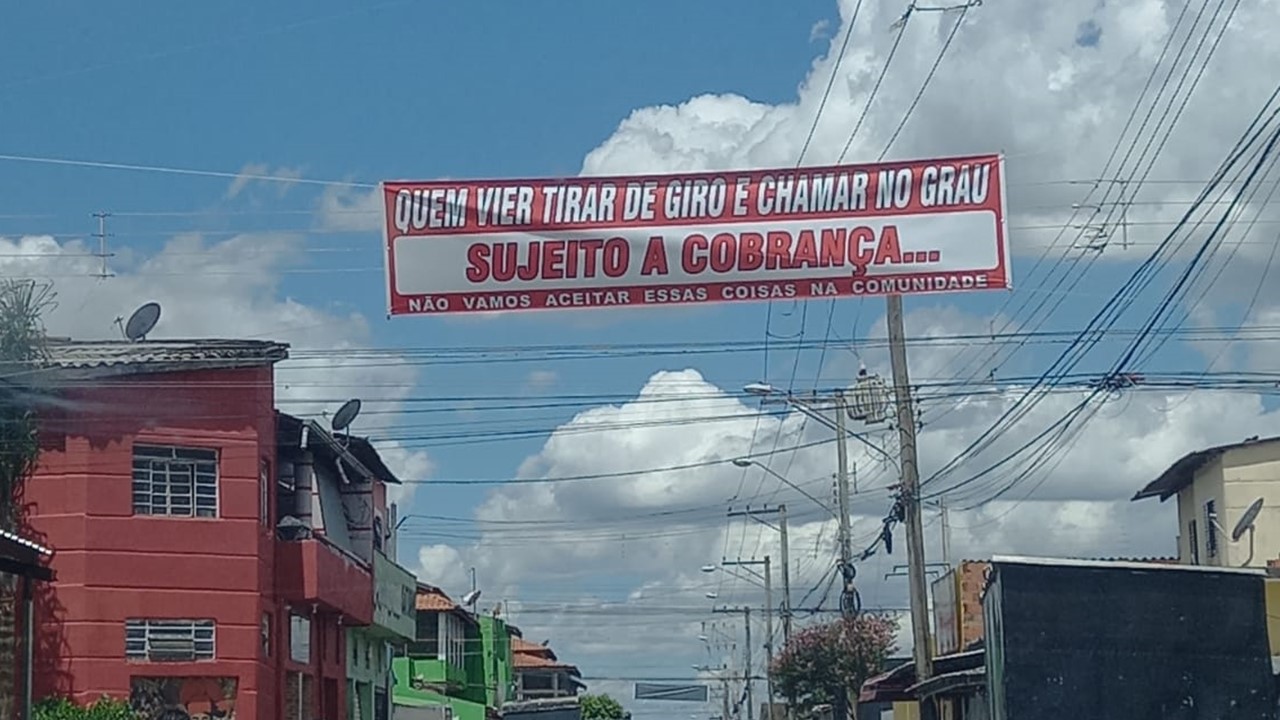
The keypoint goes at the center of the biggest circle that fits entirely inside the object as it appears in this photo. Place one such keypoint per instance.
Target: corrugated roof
(1120, 564)
(95, 358)
(1181, 473)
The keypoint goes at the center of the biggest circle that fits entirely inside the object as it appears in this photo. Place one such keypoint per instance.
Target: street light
(870, 405)
(748, 462)
(709, 568)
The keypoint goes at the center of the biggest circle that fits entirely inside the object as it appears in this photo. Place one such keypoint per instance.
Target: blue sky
(425, 90)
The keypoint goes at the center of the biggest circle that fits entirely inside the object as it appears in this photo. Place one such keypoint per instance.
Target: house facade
(343, 587)
(458, 660)
(1213, 489)
(200, 563)
(539, 673)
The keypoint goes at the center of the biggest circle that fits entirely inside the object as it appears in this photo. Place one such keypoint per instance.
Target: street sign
(680, 693)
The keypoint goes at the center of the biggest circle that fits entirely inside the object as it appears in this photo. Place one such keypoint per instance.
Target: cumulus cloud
(632, 546)
(348, 209)
(227, 289)
(538, 380)
(280, 178)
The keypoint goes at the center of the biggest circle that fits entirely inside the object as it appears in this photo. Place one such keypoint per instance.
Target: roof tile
(162, 355)
(431, 598)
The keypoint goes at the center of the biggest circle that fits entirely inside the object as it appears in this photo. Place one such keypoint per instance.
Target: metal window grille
(169, 640)
(173, 481)
(1210, 529)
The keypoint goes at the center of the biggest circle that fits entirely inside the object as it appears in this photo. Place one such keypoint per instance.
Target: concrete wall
(113, 565)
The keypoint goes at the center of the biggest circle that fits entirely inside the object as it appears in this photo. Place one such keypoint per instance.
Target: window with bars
(169, 640)
(173, 481)
(1210, 529)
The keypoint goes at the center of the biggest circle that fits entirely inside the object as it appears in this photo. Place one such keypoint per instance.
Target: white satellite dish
(471, 597)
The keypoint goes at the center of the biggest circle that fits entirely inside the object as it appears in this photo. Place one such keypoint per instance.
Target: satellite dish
(142, 321)
(471, 597)
(346, 415)
(1246, 521)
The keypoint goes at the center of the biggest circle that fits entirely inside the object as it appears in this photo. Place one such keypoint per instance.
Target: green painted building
(456, 660)
(371, 649)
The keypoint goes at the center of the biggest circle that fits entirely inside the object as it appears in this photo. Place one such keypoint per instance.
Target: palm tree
(22, 347)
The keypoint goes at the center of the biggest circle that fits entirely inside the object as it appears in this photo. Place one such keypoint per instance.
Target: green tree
(22, 347)
(823, 660)
(601, 707)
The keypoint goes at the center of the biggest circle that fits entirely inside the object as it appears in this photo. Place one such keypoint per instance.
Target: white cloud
(631, 547)
(251, 173)
(229, 289)
(350, 209)
(539, 380)
(820, 30)
(1015, 80)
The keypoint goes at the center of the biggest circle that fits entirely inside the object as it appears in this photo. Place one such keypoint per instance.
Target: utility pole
(848, 607)
(102, 236)
(946, 532)
(781, 512)
(747, 676)
(910, 490)
(768, 623)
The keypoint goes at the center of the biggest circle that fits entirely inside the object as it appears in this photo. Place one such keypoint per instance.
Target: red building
(177, 582)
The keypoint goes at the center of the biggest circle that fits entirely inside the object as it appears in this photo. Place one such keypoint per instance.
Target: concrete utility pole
(768, 623)
(842, 498)
(868, 394)
(910, 490)
(102, 236)
(781, 527)
(746, 674)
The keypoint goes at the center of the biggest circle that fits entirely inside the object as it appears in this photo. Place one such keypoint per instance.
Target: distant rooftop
(98, 358)
(1181, 473)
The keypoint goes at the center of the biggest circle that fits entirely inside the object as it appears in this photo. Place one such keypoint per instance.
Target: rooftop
(97, 358)
(1181, 473)
(1161, 566)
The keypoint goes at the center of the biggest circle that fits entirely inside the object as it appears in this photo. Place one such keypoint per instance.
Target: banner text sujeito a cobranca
(913, 227)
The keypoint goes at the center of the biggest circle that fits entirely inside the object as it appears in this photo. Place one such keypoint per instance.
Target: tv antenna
(142, 321)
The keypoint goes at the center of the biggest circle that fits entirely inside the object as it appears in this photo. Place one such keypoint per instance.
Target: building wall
(368, 669)
(1250, 473)
(499, 674)
(1233, 482)
(114, 566)
(1208, 485)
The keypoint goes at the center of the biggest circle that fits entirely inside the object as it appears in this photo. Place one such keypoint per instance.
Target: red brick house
(178, 584)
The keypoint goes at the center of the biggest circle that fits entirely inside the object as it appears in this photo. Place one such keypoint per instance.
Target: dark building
(1068, 639)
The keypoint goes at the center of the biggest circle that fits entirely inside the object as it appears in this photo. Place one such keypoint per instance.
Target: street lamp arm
(790, 484)
(815, 414)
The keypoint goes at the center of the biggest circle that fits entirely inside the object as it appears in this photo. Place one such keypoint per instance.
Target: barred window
(169, 640)
(173, 481)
